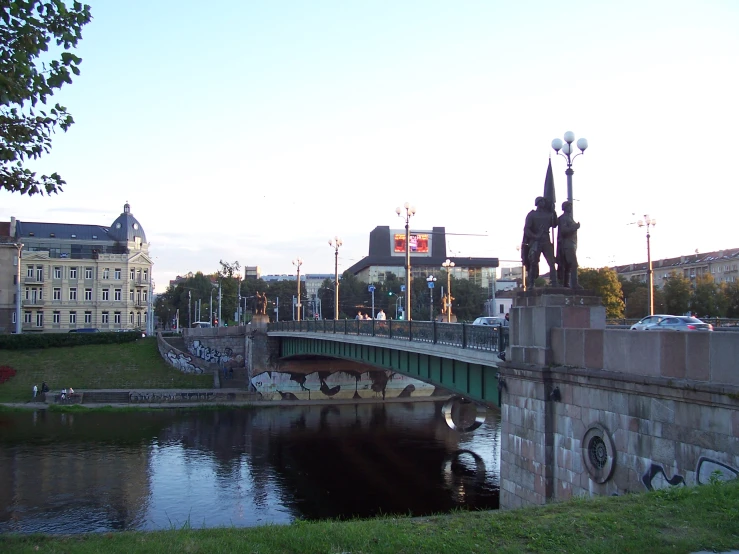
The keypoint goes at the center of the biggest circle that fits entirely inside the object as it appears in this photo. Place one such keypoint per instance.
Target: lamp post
(565, 149)
(649, 222)
(297, 262)
(410, 211)
(335, 243)
(431, 280)
(18, 324)
(448, 265)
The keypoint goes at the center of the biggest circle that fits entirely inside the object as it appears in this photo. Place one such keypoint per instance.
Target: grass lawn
(100, 366)
(679, 520)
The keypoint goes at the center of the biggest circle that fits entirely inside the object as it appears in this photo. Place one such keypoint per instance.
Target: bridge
(460, 357)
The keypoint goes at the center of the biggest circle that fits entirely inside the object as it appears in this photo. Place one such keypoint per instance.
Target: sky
(254, 131)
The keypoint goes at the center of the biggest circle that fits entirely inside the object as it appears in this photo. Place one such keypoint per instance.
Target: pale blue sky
(254, 131)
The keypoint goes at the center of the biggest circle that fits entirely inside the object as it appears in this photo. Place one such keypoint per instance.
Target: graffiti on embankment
(182, 362)
(214, 356)
(705, 470)
(276, 385)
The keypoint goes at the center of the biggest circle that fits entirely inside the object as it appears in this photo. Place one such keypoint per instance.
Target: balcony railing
(461, 335)
(33, 301)
(33, 279)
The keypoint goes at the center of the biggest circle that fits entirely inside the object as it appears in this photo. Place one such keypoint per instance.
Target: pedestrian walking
(35, 391)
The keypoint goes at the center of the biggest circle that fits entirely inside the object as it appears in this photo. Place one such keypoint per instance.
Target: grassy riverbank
(101, 366)
(679, 520)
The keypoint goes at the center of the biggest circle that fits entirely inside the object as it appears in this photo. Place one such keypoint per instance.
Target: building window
(88, 294)
(117, 273)
(146, 316)
(146, 275)
(39, 272)
(88, 273)
(73, 317)
(72, 272)
(57, 272)
(105, 317)
(88, 317)
(27, 317)
(117, 317)
(130, 296)
(133, 274)
(138, 319)
(73, 294)
(130, 318)
(118, 295)
(145, 296)
(57, 317)
(39, 319)
(14, 318)
(57, 293)
(106, 294)
(29, 271)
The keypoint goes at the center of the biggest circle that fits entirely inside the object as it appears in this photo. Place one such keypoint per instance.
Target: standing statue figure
(261, 303)
(536, 233)
(567, 247)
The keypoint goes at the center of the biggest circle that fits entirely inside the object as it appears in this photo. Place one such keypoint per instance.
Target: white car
(493, 321)
(648, 321)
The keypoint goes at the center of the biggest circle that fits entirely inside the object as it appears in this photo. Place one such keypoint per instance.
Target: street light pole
(647, 222)
(448, 265)
(565, 149)
(335, 243)
(410, 211)
(18, 324)
(431, 280)
(297, 262)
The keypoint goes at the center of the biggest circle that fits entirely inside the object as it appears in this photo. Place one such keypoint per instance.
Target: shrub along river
(160, 469)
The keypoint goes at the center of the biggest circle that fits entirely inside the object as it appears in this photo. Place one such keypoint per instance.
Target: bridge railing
(461, 335)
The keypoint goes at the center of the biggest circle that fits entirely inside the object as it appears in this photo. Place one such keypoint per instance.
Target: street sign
(371, 288)
(431, 284)
(402, 288)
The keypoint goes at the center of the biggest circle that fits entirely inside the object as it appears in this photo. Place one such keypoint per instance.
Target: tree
(707, 300)
(637, 306)
(677, 294)
(731, 296)
(27, 29)
(605, 283)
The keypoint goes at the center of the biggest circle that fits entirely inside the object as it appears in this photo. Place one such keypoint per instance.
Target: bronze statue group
(537, 241)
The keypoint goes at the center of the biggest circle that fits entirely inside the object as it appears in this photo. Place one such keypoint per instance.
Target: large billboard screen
(419, 243)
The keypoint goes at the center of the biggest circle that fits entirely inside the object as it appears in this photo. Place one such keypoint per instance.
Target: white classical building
(77, 276)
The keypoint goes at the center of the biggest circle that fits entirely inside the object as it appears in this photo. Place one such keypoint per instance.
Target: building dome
(126, 227)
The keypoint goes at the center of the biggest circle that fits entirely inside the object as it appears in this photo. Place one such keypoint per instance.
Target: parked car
(680, 323)
(493, 321)
(645, 322)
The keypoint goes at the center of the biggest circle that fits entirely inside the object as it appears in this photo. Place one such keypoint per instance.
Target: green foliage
(637, 303)
(676, 290)
(730, 292)
(605, 283)
(707, 300)
(29, 341)
(28, 31)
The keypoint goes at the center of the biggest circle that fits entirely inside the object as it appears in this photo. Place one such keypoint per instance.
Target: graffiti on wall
(276, 385)
(706, 469)
(182, 362)
(214, 356)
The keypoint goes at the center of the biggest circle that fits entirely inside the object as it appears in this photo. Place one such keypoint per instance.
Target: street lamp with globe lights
(430, 280)
(448, 265)
(565, 149)
(410, 211)
(297, 262)
(649, 222)
(335, 243)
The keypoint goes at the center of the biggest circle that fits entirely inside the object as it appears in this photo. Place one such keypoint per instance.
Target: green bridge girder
(477, 382)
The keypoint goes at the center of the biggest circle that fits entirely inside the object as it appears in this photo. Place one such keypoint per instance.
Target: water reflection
(67, 473)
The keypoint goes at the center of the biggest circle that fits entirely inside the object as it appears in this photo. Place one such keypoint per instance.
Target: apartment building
(77, 276)
(722, 265)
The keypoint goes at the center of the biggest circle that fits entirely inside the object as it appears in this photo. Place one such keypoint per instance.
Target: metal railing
(461, 335)
(715, 321)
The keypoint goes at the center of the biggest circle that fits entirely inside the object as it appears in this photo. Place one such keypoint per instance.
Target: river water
(75, 473)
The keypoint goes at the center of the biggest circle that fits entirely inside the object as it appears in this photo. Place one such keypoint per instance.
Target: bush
(31, 341)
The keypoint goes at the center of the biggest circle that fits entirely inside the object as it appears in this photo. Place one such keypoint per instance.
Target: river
(162, 469)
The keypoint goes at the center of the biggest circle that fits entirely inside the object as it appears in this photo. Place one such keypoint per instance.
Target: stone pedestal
(535, 312)
(259, 322)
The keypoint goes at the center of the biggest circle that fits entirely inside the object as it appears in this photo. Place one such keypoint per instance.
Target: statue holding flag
(536, 238)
